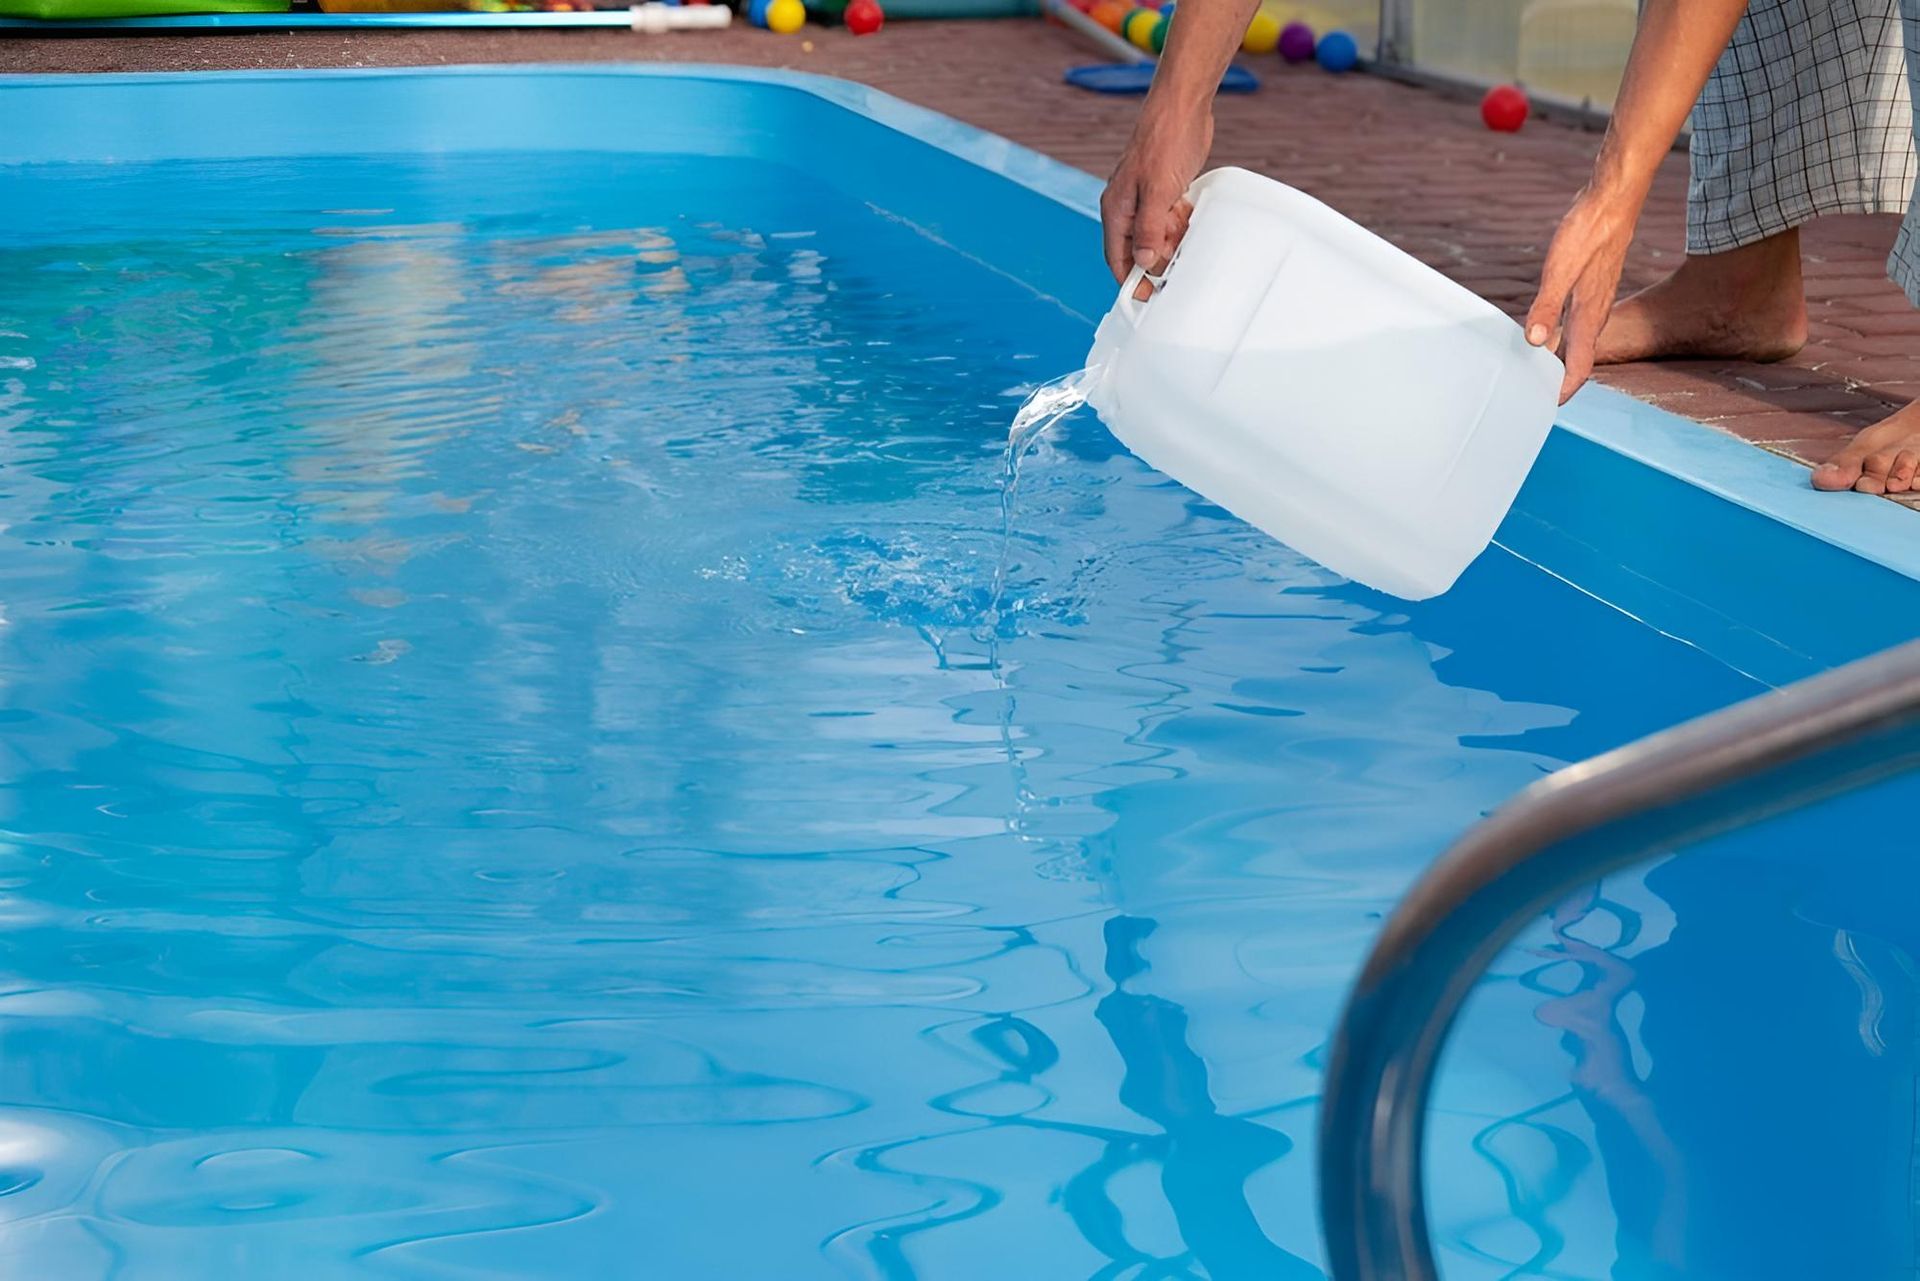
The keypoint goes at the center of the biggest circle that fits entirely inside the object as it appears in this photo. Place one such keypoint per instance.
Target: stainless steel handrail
(1779, 752)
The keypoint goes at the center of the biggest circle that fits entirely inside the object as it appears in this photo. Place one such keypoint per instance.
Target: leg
(1743, 304)
(1884, 458)
(1807, 113)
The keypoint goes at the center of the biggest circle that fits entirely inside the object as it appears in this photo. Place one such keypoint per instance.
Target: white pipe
(656, 18)
(1113, 46)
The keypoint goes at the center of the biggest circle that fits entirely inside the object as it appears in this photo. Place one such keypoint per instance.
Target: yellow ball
(786, 16)
(1263, 34)
(1139, 28)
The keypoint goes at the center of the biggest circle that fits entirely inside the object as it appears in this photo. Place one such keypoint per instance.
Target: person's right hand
(1579, 278)
(1144, 209)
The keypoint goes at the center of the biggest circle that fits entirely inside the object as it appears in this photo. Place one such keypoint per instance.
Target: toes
(1841, 473)
(1883, 459)
(1900, 475)
(1873, 473)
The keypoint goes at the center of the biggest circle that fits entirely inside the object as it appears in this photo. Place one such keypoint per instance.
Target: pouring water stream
(1045, 406)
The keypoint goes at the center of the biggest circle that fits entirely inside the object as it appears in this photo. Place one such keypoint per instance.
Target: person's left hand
(1579, 279)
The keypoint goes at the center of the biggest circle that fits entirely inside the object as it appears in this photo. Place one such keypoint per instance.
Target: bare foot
(1745, 304)
(1880, 460)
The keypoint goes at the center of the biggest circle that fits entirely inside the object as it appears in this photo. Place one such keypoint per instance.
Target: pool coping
(1877, 531)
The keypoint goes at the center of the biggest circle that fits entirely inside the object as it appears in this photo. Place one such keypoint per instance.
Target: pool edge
(1877, 531)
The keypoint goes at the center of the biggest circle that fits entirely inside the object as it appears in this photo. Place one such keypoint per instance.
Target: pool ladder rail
(1781, 751)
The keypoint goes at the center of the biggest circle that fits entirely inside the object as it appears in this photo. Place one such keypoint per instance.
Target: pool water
(508, 768)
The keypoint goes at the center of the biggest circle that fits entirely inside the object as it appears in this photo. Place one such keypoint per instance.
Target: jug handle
(1131, 307)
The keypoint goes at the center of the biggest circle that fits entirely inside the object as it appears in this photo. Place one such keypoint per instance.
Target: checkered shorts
(1808, 113)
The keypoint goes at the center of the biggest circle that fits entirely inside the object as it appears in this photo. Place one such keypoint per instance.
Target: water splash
(1047, 405)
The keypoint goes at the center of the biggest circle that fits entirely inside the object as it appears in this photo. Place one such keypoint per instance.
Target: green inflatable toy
(54, 10)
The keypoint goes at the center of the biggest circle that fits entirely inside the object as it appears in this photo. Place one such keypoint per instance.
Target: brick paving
(1415, 165)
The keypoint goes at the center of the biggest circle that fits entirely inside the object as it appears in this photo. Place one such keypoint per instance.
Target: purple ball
(1296, 42)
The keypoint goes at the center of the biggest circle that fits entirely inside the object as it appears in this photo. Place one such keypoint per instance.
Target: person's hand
(1579, 279)
(1144, 210)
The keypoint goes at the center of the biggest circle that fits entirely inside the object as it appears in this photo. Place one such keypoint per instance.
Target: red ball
(864, 17)
(1504, 109)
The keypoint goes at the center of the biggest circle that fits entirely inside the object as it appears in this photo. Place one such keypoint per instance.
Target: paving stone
(1769, 427)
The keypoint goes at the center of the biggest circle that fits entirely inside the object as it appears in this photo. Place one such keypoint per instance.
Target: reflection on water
(504, 766)
(1205, 1158)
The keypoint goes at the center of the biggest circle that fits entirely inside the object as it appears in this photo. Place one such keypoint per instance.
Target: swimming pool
(506, 773)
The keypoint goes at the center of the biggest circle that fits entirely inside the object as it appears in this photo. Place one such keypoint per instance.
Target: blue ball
(1337, 51)
(1166, 10)
(757, 12)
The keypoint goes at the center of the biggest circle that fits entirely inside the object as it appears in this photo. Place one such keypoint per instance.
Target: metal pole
(1856, 725)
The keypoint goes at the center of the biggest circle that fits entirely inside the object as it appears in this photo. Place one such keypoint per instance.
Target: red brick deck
(1414, 165)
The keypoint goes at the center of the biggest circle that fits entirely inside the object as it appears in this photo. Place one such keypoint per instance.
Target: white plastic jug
(1319, 383)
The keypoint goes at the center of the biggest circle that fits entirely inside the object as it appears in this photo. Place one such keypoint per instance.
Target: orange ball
(1111, 14)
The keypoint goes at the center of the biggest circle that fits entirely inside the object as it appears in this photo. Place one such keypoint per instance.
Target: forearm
(1200, 44)
(1143, 211)
(1674, 50)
